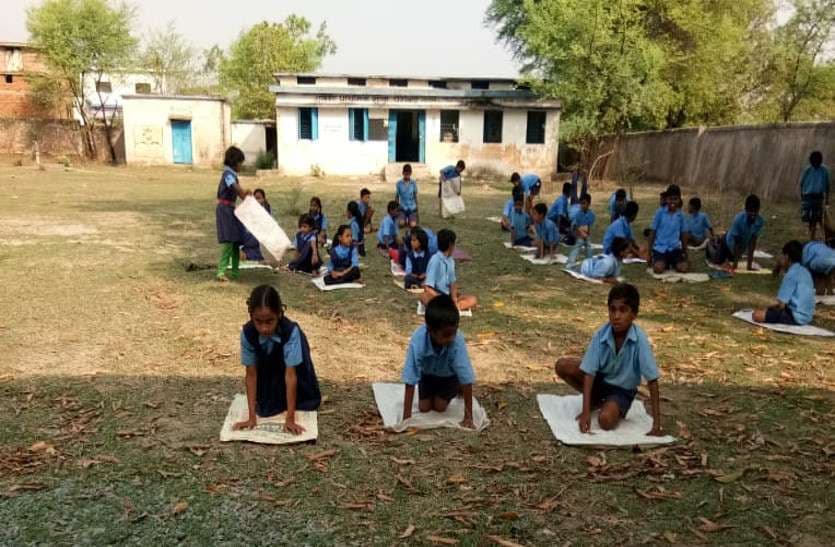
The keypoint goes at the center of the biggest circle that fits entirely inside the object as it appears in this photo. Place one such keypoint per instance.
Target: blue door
(181, 139)
(422, 136)
(392, 136)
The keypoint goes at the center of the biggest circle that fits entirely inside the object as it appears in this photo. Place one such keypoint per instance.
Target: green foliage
(266, 48)
(47, 94)
(264, 160)
(170, 59)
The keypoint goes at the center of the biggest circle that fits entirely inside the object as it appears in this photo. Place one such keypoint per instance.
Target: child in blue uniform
(344, 263)
(449, 175)
(355, 220)
(251, 248)
(320, 220)
(622, 228)
(547, 236)
(606, 266)
(610, 372)
(617, 204)
(530, 184)
(417, 258)
(440, 274)
(406, 196)
(668, 238)
(437, 362)
(307, 248)
(819, 259)
(697, 224)
(796, 297)
(814, 192)
(506, 210)
(388, 235)
(520, 222)
(742, 237)
(558, 213)
(230, 231)
(279, 369)
(582, 221)
(366, 209)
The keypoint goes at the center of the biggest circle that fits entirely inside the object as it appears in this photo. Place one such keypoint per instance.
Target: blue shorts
(669, 258)
(601, 392)
(775, 315)
(407, 216)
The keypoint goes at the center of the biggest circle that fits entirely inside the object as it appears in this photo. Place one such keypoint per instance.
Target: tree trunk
(108, 131)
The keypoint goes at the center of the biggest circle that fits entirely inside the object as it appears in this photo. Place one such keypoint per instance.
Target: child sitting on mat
(609, 374)
(307, 248)
(320, 220)
(279, 370)
(582, 220)
(796, 297)
(417, 259)
(558, 213)
(406, 196)
(366, 209)
(697, 224)
(440, 274)
(355, 222)
(520, 222)
(622, 228)
(388, 235)
(344, 265)
(606, 266)
(547, 236)
(668, 239)
(438, 363)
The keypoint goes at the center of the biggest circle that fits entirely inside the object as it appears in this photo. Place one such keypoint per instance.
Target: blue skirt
(229, 228)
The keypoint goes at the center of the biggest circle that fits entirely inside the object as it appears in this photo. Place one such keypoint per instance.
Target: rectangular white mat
(389, 399)
(320, 284)
(268, 430)
(520, 248)
(828, 300)
(742, 269)
(634, 260)
(676, 277)
(402, 284)
(546, 261)
(581, 277)
(274, 242)
(497, 220)
(421, 310)
(396, 269)
(805, 330)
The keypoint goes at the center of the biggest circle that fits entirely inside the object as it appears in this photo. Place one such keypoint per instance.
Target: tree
(260, 52)
(82, 41)
(170, 60)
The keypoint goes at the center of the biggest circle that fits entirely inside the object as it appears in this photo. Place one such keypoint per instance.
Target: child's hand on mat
(468, 422)
(246, 424)
(584, 421)
(290, 426)
(656, 430)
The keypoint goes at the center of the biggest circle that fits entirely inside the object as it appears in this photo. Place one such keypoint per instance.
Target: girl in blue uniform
(344, 265)
(279, 370)
(320, 220)
(230, 232)
(307, 249)
(355, 218)
(417, 259)
(251, 248)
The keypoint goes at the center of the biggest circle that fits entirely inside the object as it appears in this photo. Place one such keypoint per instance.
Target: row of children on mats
(280, 375)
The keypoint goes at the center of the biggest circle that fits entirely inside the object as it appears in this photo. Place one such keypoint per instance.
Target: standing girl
(230, 232)
(356, 222)
(320, 220)
(279, 370)
(344, 265)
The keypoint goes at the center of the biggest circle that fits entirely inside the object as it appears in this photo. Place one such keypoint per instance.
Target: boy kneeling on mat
(438, 363)
(609, 374)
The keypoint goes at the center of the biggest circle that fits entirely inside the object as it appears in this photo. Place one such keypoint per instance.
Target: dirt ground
(119, 365)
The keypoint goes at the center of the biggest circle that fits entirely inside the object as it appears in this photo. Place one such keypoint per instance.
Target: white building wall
(251, 138)
(147, 121)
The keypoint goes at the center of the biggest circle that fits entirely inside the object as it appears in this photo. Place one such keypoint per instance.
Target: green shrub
(265, 160)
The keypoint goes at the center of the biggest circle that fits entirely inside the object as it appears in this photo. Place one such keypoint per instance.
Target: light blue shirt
(819, 257)
(362, 207)
(356, 231)
(530, 181)
(697, 225)
(742, 231)
(508, 208)
(559, 208)
(625, 368)
(619, 228)
(449, 172)
(546, 231)
(407, 195)
(433, 240)
(423, 358)
(519, 223)
(230, 177)
(342, 253)
(600, 266)
(572, 212)
(582, 218)
(292, 349)
(613, 205)
(409, 268)
(387, 232)
(440, 273)
(797, 292)
(814, 181)
(668, 228)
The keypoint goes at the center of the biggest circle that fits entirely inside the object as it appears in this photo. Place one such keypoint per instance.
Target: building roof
(175, 97)
(502, 79)
(21, 45)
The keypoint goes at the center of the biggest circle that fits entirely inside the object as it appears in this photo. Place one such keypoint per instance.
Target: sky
(398, 37)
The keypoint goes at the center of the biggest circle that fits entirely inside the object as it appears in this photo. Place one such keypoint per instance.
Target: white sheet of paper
(402, 284)
(274, 242)
(389, 399)
(561, 414)
(828, 300)
(805, 330)
(676, 277)
(421, 310)
(547, 261)
(397, 270)
(268, 430)
(497, 220)
(320, 284)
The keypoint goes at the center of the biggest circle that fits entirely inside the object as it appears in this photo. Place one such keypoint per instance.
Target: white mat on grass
(520, 248)
(421, 310)
(828, 300)
(389, 399)
(402, 284)
(268, 430)
(274, 242)
(320, 284)
(497, 220)
(676, 277)
(250, 265)
(742, 269)
(546, 261)
(805, 330)
(581, 277)
(761, 254)
(397, 270)
(634, 260)
(561, 414)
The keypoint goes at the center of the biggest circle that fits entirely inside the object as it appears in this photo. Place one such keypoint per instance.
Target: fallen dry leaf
(456, 479)
(709, 526)
(509, 515)
(407, 533)
(321, 455)
(407, 461)
(180, 507)
(503, 542)
(442, 540)
(42, 446)
(730, 477)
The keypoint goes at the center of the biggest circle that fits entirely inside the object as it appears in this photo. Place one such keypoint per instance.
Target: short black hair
(752, 203)
(407, 168)
(541, 209)
(461, 165)
(619, 246)
(518, 194)
(306, 220)
(446, 238)
(631, 210)
(365, 192)
(696, 204)
(392, 206)
(816, 158)
(585, 197)
(794, 250)
(441, 312)
(620, 194)
(421, 236)
(673, 190)
(628, 293)
(515, 177)
(233, 157)
(566, 189)
(260, 191)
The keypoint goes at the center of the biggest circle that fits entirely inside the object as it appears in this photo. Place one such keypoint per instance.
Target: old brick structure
(19, 63)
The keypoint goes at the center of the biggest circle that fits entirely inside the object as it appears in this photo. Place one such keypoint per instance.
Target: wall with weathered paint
(147, 121)
(762, 159)
(55, 138)
(251, 138)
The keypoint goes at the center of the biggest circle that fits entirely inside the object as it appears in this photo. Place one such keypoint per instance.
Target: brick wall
(56, 138)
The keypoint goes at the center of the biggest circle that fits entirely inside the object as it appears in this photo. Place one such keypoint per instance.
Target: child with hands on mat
(307, 248)
(344, 263)
(796, 297)
(609, 374)
(547, 235)
(279, 370)
(697, 224)
(726, 250)
(438, 363)
(622, 228)
(606, 266)
(440, 275)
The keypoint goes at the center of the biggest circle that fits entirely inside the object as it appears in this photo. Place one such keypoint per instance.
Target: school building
(360, 125)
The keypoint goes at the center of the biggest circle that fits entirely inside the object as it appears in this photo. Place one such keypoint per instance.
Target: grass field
(119, 365)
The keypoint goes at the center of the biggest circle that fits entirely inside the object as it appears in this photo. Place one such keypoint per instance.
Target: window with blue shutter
(308, 124)
(358, 124)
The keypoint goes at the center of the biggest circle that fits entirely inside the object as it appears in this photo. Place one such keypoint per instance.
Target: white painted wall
(251, 138)
(147, 121)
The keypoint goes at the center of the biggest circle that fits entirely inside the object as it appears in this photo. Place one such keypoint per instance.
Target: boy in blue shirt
(406, 196)
(819, 259)
(530, 184)
(617, 204)
(609, 374)
(366, 209)
(740, 238)
(440, 275)
(697, 224)
(449, 175)
(814, 192)
(622, 228)
(606, 266)
(581, 222)
(668, 238)
(388, 234)
(796, 297)
(547, 236)
(508, 208)
(438, 363)
(558, 213)
(520, 223)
